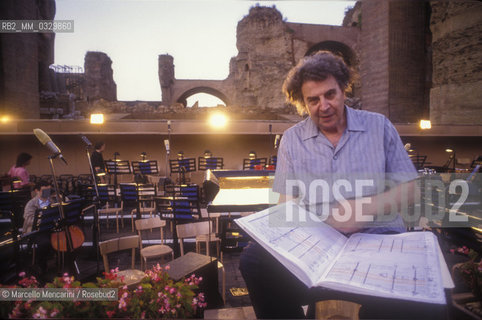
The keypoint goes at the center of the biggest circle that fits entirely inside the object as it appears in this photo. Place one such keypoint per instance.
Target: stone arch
(336, 47)
(183, 97)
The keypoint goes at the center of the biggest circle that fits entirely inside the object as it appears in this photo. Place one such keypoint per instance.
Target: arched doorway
(203, 92)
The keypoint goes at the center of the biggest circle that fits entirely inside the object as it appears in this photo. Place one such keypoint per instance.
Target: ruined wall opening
(204, 96)
(336, 47)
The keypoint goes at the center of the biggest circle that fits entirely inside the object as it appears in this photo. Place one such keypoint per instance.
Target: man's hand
(349, 216)
(342, 217)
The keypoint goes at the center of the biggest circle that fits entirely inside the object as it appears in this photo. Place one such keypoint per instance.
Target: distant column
(99, 77)
(392, 64)
(166, 78)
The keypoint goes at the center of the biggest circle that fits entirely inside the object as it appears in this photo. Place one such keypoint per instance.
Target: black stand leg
(95, 229)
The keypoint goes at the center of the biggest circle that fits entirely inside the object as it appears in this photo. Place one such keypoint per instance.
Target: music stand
(418, 160)
(212, 163)
(132, 194)
(181, 166)
(249, 164)
(181, 203)
(145, 167)
(117, 167)
(476, 162)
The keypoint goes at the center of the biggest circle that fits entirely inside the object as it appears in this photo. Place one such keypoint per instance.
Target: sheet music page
(404, 266)
(307, 250)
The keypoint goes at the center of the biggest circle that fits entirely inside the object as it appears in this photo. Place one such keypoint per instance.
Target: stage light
(218, 120)
(4, 119)
(425, 124)
(252, 155)
(449, 150)
(207, 154)
(97, 118)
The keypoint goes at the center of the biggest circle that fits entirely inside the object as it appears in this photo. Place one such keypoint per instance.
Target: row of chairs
(180, 201)
(68, 183)
(200, 231)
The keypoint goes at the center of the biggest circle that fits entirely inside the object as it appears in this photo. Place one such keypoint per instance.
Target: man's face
(325, 103)
(43, 194)
(102, 148)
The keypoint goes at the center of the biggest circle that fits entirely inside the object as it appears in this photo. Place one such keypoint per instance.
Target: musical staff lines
(396, 266)
(404, 266)
(380, 245)
(315, 250)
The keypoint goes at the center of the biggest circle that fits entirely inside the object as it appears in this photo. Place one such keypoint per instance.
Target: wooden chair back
(118, 244)
(191, 230)
(150, 223)
(337, 309)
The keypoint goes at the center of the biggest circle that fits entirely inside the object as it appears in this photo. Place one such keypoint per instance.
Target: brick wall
(19, 58)
(374, 56)
(407, 61)
(456, 95)
(19, 68)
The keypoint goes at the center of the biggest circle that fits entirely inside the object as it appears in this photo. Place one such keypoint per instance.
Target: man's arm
(350, 216)
(284, 198)
(29, 214)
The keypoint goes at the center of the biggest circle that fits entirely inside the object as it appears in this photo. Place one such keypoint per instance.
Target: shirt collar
(42, 203)
(354, 123)
(353, 120)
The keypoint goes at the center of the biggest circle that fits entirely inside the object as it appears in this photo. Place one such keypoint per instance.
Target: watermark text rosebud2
(440, 202)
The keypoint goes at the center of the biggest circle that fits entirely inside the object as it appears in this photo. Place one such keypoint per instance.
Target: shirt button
(335, 157)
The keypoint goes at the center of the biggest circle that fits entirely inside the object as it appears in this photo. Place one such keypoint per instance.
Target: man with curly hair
(334, 143)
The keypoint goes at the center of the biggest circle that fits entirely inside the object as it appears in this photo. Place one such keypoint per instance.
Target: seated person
(19, 171)
(43, 198)
(333, 141)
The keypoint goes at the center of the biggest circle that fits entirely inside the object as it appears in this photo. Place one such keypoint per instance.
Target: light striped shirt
(370, 149)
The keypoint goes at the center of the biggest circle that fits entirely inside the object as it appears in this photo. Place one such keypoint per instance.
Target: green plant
(157, 296)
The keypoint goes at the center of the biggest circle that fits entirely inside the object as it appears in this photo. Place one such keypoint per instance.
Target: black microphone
(46, 141)
(86, 141)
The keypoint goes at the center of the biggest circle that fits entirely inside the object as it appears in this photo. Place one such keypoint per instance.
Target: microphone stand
(168, 150)
(115, 169)
(63, 219)
(96, 203)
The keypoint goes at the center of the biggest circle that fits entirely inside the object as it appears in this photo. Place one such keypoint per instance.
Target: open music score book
(408, 266)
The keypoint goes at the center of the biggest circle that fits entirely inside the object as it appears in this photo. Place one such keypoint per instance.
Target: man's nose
(324, 105)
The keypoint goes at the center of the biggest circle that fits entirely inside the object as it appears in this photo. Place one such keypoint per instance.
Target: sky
(199, 34)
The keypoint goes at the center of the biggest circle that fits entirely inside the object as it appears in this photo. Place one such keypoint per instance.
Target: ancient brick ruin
(415, 59)
(25, 59)
(268, 47)
(456, 92)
